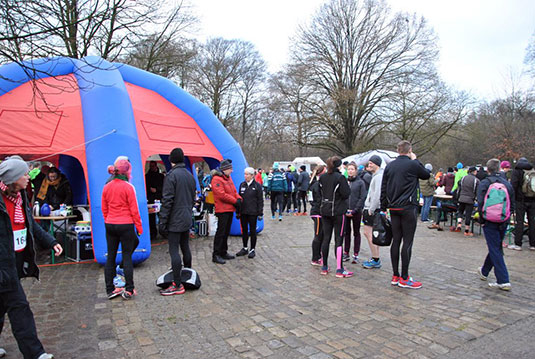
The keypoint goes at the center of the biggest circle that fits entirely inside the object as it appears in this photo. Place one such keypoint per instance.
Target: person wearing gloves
(18, 230)
(371, 205)
(252, 210)
(175, 217)
(123, 225)
(227, 201)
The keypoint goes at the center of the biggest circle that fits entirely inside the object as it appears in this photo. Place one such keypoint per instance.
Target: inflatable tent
(89, 111)
(363, 158)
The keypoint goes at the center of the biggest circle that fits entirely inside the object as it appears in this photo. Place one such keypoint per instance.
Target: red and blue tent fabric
(90, 111)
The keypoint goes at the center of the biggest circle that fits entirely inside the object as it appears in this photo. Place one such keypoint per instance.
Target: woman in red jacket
(123, 225)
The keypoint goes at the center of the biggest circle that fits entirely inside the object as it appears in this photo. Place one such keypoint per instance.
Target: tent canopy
(363, 158)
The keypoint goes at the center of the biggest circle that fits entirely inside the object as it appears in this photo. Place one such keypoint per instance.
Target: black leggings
(466, 210)
(318, 238)
(177, 239)
(403, 228)
(335, 223)
(302, 197)
(276, 199)
(355, 221)
(248, 225)
(125, 234)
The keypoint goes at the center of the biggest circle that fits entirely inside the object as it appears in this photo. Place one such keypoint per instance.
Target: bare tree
(356, 50)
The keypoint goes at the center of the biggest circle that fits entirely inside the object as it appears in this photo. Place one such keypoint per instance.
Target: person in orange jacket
(227, 201)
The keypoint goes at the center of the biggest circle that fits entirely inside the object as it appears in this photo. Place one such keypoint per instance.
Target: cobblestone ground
(278, 306)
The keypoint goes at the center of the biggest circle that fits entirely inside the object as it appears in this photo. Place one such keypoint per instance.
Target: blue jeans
(494, 234)
(426, 207)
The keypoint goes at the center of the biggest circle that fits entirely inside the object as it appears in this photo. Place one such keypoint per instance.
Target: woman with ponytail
(123, 225)
(335, 192)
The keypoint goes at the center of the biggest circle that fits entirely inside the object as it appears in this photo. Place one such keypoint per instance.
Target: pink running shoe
(324, 270)
(395, 280)
(318, 263)
(344, 274)
(409, 283)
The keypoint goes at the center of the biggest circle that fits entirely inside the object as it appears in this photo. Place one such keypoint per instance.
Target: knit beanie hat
(225, 164)
(376, 159)
(176, 155)
(12, 169)
(459, 166)
(275, 165)
(428, 166)
(505, 164)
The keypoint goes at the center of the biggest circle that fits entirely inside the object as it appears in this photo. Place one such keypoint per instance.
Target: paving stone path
(278, 306)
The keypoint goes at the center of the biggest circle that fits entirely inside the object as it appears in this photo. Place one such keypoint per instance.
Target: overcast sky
(482, 42)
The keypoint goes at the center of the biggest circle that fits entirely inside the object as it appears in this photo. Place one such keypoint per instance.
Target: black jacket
(57, 195)
(252, 198)
(400, 183)
(366, 177)
(358, 193)
(178, 199)
(9, 273)
(517, 179)
(334, 184)
(154, 180)
(303, 181)
(316, 197)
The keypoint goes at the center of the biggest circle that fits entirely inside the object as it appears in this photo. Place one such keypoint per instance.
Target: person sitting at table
(55, 190)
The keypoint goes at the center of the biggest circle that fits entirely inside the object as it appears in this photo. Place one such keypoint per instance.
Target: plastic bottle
(45, 210)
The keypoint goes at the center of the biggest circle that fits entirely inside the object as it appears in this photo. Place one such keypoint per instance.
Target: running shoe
(409, 283)
(324, 270)
(116, 292)
(481, 275)
(280, 217)
(345, 257)
(395, 280)
(272, 217)
(515, 247)
(455, 229)
(127, 295)
(173, 289)
(317, 263)
(343, 274)
(369, 264)
(502, 286)
(468, 234)
(252, 253)
(355, 259)
(242, 252)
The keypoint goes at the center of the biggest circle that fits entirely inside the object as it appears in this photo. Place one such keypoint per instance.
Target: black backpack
(190, 279)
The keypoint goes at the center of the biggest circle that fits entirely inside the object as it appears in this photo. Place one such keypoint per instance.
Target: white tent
(308, 160)
(363, 158)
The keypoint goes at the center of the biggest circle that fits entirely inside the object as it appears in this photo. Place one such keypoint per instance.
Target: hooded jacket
(373, 198)
(8, 267)
(302, 181)
(427, 187)
(468, 189)
(358, 193)
(447, 181)
(316, 197)
(178, 197)
(334, 187)
(400, 182)
(225, 195)
(517, 179)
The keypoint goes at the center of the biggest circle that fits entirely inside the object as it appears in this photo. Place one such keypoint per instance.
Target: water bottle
(45, 210)
(36, 208)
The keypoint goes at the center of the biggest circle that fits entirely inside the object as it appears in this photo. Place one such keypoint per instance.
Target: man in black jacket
(251, 210)
(18, 230)
(154, 183)
(302, 188)
(524, 203)
(175, 216)
(399, 194)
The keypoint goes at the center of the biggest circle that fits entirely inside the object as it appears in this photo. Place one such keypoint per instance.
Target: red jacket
(225, 195)
(119, 204)
(258, 177)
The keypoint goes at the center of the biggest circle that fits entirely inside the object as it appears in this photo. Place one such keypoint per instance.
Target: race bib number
(20, 239)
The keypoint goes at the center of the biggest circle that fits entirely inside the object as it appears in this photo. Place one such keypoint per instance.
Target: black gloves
(162, 228)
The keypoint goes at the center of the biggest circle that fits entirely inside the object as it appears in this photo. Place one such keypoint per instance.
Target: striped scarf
(17, 200)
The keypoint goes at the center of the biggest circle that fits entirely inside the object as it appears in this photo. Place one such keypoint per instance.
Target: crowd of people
(339, 197)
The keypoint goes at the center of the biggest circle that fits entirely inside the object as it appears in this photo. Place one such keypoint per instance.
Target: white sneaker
(46, 356)
(481, 275)
(502, 286)
(532, 248)
(515, 247)
(2, 352)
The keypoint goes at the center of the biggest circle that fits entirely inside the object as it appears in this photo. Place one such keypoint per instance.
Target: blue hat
(275, 165)
(361, 167)
(459, 165)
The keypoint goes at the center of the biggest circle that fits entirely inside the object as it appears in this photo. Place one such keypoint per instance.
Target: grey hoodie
(373, 199)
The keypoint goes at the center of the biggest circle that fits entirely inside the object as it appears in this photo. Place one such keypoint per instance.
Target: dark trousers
(494, 233)
(15, 304)
(224, 222)
(335, 223)
(294, 200)
(176, 240)
(355, 222)
(403, 228)
(287, 202)
(152, 226)
(465, 211)
(125, 234)
(302, 198)
(521, 209)
(276, 200)
(318, 238)
(248, 225)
